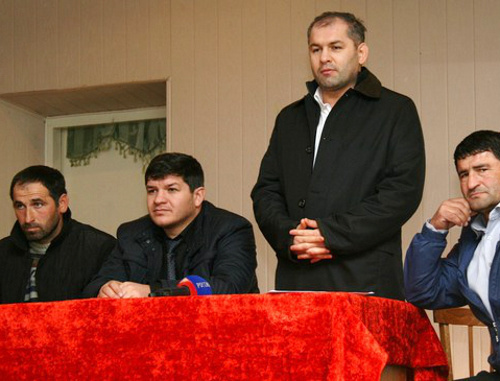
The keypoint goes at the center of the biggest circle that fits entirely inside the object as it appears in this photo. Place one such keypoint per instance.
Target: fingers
(309, 248)
(311, 224)
(134, 290)
(110, 289)
(301, 225)
(306, 223)
(308, 242)
(453, 212)
(114, 289)
(315, 256)
(313, 251)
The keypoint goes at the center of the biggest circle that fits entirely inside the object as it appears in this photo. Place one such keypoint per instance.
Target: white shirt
(478, 272)
(325, 111)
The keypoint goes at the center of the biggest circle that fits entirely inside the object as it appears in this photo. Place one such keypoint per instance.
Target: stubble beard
(41, 234)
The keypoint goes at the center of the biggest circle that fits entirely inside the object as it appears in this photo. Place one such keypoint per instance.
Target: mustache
(328, 66)
(27, 226)
(477, 190)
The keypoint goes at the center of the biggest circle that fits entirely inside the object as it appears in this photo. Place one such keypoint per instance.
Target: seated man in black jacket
(48, 255)
(182, 235)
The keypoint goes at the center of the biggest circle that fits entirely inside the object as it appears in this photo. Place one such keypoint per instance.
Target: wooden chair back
(456, 316)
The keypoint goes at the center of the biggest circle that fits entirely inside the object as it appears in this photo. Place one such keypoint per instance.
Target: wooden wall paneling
(406, 37)
(229, 105)
(302, 14)
(279, 63)
(206, 142)
(254, 134)
(487, 58)
(326, 6)
(356, 7)
(46, 47)
(406, 61)
(114, 42)
(7, 46)
(20, 145)
(460, 87)
(137, 22)
(24, 45)
(278, 76)
(91, 42)
(159, 39)
(434, 101)
(182, 26)
(379, 38)
(69, 59)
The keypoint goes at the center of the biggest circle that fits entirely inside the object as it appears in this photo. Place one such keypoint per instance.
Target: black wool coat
(367, 181)
(219, 248)
(73, 258)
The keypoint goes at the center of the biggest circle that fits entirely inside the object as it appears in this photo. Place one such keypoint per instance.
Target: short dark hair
(49, 177)
(177, 164)
(356, 30)
(477, 142)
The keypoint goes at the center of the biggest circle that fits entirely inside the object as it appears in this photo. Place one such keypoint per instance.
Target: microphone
(190, 285)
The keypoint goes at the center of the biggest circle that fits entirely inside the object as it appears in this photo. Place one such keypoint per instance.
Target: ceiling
(91, 99)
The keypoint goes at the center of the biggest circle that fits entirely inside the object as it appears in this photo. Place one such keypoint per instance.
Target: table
(293, 336)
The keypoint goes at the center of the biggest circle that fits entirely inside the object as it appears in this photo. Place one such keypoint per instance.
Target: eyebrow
(329, 43)
(474, 167)
(30, 201)
(163, 186)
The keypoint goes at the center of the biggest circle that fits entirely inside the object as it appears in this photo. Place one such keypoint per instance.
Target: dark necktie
(171, 245)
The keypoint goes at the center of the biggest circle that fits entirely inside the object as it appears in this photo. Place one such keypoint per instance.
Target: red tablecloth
(298, 336)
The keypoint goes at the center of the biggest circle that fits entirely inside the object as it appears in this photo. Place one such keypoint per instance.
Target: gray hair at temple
(49, 177)
(176, 164)
(356, 30)
(477, 142)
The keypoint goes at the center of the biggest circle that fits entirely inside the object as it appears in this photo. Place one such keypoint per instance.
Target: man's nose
(325, 55)
(161, 197)
(29, 216)
(472, 180)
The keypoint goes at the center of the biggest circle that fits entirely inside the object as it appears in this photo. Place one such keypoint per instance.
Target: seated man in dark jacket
(48, 255)
(182, 235)
(470, 273)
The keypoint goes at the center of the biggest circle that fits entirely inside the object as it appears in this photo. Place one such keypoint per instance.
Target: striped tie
(171, 245)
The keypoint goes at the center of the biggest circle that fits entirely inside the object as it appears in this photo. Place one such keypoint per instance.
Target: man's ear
(199, 196)
(363, 52)
(63, 203)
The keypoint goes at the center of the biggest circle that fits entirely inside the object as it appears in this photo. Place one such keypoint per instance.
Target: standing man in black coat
(182, 235)
(343, 172)
(48, 255)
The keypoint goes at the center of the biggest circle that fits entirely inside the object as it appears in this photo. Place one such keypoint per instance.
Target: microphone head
(196, 284)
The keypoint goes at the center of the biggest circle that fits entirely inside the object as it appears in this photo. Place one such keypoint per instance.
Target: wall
(21, 144)
(235, 63)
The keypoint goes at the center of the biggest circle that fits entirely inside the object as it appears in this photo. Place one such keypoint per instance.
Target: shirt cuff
(429, 226)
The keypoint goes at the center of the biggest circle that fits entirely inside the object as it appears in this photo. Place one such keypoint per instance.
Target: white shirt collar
(479, 224)
(319, 99)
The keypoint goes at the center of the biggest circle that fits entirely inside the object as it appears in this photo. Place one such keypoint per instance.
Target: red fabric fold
(298, 336)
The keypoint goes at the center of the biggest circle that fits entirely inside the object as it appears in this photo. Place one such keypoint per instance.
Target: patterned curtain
(143, 139)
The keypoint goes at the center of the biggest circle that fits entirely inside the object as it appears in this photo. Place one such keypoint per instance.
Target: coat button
(302, 203)
(309, 150)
